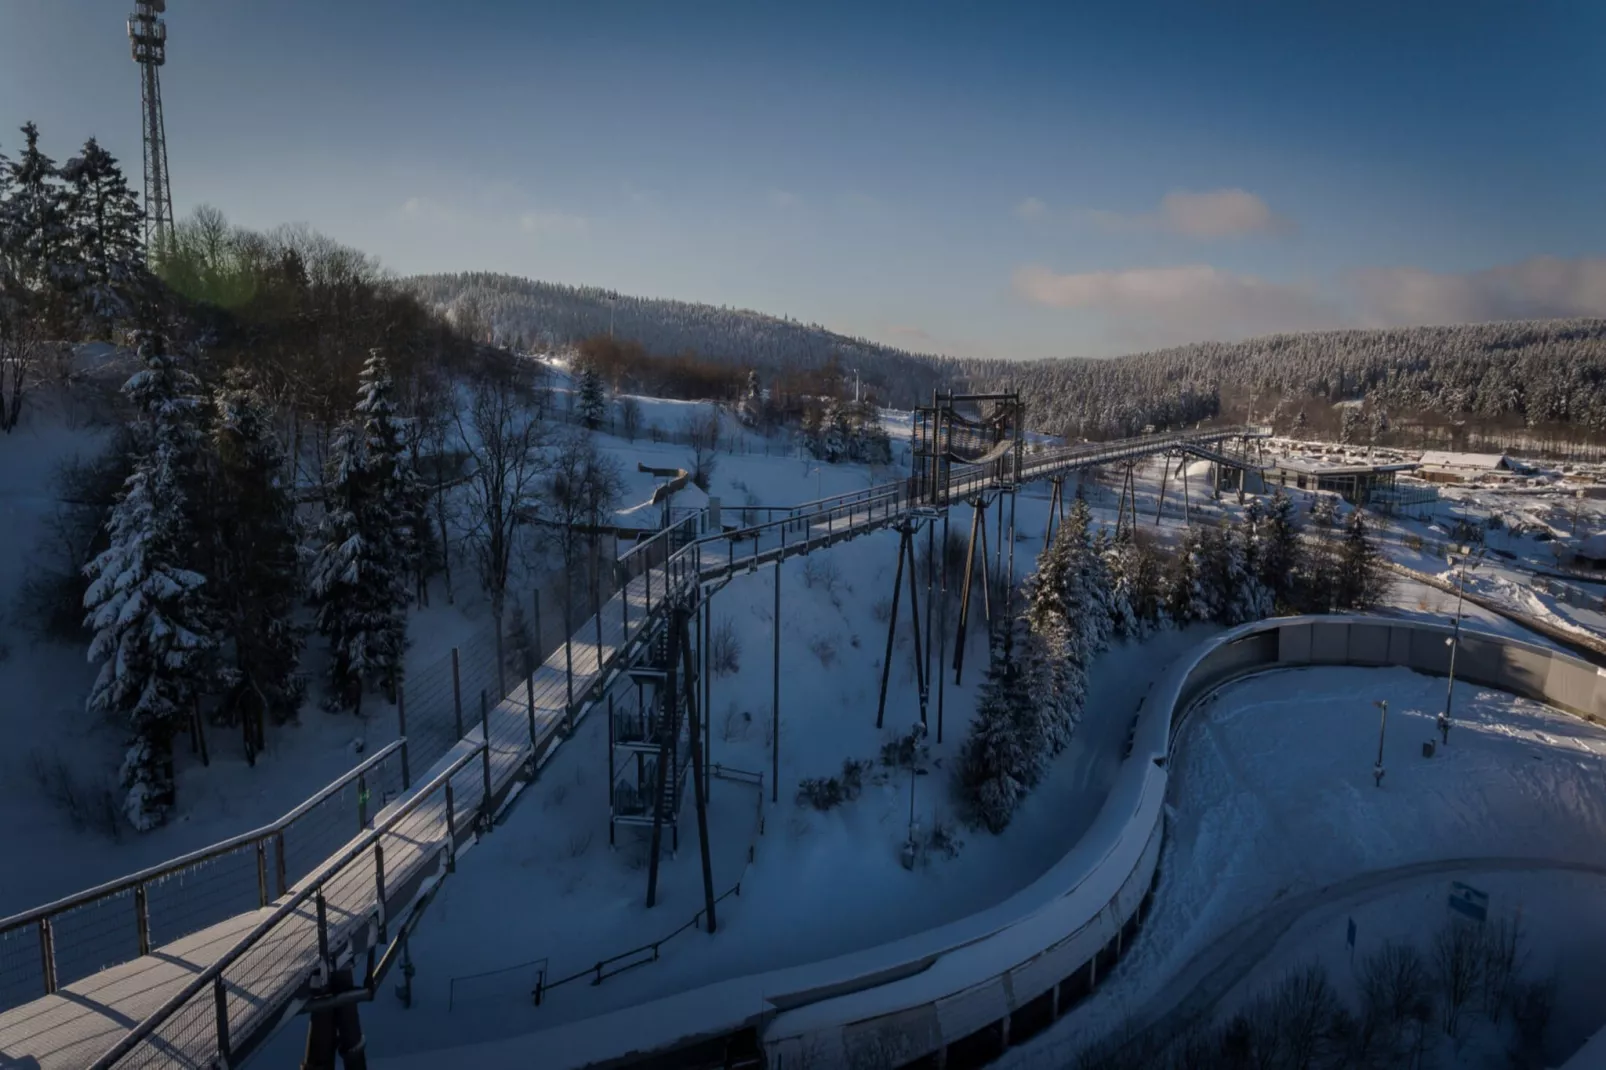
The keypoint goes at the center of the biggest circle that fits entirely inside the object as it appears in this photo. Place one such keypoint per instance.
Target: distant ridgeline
(1536, 381)
(523, 312)
(1501, 384)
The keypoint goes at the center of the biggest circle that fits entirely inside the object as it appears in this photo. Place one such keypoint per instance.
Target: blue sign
(1352, 934)
(1467, 900)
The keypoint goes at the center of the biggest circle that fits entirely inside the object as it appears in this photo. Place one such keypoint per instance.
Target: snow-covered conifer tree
(145, 603)
(1003, 755)
(1051, 662)
(592, 400)
(360, 577)
(256, 582)
(1120, 564)
(1280, 558)
(1187, 596)
(104, 221)
(1361, 582)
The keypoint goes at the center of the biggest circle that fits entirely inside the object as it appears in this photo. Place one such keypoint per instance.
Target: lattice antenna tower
(148, 32)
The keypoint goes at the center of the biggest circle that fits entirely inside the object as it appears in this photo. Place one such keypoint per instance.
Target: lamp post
(1382, 727)
(1454, 642)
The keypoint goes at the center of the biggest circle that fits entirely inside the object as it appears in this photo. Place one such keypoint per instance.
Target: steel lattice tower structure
(148, 32)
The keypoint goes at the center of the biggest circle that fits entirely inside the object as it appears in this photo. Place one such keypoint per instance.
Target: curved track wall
(958, 994)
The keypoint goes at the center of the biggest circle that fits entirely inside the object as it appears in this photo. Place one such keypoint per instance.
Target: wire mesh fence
(47, 949)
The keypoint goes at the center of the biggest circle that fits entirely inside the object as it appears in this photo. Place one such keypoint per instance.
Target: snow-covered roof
(1486, 462)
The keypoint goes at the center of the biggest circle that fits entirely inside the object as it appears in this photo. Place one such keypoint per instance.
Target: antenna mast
(148, 33)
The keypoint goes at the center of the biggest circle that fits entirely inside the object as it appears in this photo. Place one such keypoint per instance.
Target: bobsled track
(314, 934)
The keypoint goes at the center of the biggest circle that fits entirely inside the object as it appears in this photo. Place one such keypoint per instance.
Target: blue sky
(1000, 179)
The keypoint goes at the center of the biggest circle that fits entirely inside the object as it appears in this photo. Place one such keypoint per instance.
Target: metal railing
(51, 946)
(346, 893)
(672, 559)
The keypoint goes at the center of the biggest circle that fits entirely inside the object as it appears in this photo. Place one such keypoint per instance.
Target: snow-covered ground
(819, 883)
(1278, 836)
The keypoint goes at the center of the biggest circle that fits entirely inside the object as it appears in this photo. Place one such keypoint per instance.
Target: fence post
(362, 801)
(323, 934)
(47, 955)
(278, 863)
(485, 752)
(457, 696)
(262, 873)
(401, 733)
(529, 702)
(142, 912)
(379, 887)
(451, 828)
(220, 999)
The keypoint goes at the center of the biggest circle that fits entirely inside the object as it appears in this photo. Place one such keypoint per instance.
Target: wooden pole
(457, 697)
(966, 582)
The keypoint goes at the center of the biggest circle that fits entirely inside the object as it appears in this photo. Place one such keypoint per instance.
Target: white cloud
(1162, 306)
(1539, 287)
(1222, 213)
(780, 198)
(1030, 208)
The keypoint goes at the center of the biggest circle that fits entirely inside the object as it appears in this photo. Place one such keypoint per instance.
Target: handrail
(305, 890)
(204, 854)
(678, 567)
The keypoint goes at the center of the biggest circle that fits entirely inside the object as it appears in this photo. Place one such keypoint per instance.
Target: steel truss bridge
(323, 944)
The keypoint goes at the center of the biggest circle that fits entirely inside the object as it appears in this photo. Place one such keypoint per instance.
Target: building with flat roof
(1359, 484)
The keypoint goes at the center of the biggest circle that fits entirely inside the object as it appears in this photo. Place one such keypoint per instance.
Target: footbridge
(314, 927)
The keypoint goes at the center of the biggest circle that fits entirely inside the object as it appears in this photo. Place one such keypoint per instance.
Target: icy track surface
(1278, 835)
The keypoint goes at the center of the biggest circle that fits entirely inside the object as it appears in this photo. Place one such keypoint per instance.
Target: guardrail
(121, 920)
(349, 892)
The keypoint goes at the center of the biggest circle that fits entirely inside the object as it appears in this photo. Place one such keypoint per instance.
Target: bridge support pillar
(336, 1029)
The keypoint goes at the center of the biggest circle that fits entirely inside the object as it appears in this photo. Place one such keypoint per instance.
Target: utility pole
(1454, 642)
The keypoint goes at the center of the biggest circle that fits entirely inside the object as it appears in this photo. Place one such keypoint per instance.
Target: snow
(825, 895)
(1518, 790)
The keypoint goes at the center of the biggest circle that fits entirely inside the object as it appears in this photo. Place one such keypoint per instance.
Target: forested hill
(1548, 374)
(517, 311)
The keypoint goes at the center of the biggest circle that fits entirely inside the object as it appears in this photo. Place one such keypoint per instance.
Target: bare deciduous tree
(630, 417)
(504, 436)
(1458, 967)
(702, 435)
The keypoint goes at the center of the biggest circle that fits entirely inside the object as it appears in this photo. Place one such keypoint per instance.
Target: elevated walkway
(211, 997)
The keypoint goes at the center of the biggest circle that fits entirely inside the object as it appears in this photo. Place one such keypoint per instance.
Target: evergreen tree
(1299, 423)
(1187, 599)
(360, 577)
(1256, 600)
(1361, 582)
(145, 602)
(593, 396)
(752, 410)
(1002, 757)
(254, 561)
(1121, 566)
(37, 246)
(1051, 661)
(104, 221)
(1280, 550)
